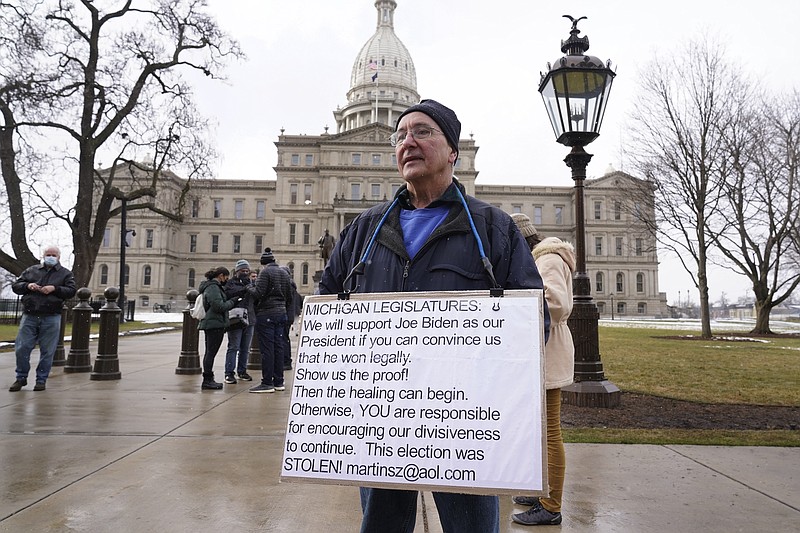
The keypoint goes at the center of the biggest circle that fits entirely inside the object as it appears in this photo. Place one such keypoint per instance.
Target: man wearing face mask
(43, 288)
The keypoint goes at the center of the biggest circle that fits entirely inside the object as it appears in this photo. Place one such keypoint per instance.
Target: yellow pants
(556, 458)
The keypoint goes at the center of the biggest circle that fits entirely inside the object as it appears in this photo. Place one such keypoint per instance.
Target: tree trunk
(763, 309)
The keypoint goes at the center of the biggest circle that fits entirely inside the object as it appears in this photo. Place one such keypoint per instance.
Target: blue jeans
(395, 511)
(238, 343)
(271, 341)
(45, 330)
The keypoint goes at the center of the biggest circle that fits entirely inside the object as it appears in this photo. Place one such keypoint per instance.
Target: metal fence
(11, 309)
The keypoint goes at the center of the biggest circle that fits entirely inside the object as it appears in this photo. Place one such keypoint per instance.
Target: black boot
(209, 383)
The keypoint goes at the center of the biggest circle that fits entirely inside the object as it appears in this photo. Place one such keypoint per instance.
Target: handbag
(237, 318)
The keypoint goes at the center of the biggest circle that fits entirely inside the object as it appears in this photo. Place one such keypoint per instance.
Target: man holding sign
(430, 237)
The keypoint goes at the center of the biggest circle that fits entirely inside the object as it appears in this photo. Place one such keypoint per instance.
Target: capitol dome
(383, 82)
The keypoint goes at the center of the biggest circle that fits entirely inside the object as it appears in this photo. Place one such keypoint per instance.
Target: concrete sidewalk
(151, 452)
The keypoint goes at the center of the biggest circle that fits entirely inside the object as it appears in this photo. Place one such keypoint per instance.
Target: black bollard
(59, 357)
(106, 364)
(189, 361)
(254, 356)
(79, 358)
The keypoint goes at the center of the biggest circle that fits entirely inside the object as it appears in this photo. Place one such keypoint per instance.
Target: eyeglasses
(419, 133)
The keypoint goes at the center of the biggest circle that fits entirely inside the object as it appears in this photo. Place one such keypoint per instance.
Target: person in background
(291, 314)
(273, 291)
(556, 263)
(43, 287)
(239, 335)
(430, 237)
(215, 321)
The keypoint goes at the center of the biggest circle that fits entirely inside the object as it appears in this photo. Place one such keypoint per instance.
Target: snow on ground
(721, 325)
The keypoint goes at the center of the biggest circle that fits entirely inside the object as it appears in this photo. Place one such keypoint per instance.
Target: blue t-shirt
(418, 224)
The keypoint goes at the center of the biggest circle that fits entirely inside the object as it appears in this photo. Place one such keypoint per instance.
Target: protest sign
(426, 390)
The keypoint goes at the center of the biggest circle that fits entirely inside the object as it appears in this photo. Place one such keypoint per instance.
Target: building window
(190, 278)
(261, 209)
(637, 211)
(617, 210)
(598, 246)
(620, 308)
(290, 266)
(309, 160)
(259, 244)
(601, 308)
(292, 233)
(356, 159)
(304, 269)
(104, 275)
(639, 246)
(146, 273)
(306, 233)
(641, 308)
(106, 237)
(395, 188)
(516, 208)
(127, 274)
(217, 208)
(620, 280)
(598, 282)
(376, 159)
(307, 192)
(238, 209)
(214, 244)
(559, 215)
(375, 188)
(192, 243)
(639, 282)
(145, 301)
(237, 244)
(293, 193)
(355, 191)
(394, 160)
(148, 238)
(195, 208)
(295, 159)
(537, 215)
(618, 246)
(597, 208)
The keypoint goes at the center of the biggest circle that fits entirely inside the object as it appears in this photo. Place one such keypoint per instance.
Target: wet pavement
(152, 452)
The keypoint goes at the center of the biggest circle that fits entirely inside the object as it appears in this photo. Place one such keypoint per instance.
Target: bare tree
(79, 83)
(756, 227)
(677, 148)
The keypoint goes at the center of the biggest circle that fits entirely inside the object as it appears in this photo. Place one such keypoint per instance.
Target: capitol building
(323, 181)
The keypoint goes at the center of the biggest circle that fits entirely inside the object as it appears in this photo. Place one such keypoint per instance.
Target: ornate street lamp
(575, 91)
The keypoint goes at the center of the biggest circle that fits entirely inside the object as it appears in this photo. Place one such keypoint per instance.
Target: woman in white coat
(555, 260)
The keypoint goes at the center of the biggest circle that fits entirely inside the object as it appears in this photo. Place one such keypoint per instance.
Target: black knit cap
(442, 115)
(267, 256)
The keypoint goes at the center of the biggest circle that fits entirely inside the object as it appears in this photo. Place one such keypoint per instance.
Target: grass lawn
(764, 372)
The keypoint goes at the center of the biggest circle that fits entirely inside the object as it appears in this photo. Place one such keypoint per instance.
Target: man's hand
(47, 289)
(34, 287)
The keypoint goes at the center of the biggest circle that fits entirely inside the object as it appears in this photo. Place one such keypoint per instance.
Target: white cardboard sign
(427, 390)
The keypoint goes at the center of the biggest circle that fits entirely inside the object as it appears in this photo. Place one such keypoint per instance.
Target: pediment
(373, 133)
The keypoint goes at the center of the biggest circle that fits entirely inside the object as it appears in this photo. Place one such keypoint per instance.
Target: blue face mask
(50, 260)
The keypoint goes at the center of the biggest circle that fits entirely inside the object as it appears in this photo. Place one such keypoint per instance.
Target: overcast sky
(482, 59)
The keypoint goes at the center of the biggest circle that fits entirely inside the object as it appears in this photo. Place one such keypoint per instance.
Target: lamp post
(575, 91)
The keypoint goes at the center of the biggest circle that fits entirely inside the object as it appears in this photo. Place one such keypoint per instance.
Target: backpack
(199, 309)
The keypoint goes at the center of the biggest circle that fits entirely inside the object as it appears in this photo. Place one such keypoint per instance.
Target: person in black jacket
(431, 237)
(43, 288)
(273, 291)
(240, 335)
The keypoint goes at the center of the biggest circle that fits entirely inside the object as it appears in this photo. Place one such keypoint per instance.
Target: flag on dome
(373, 65)
(375, 76)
